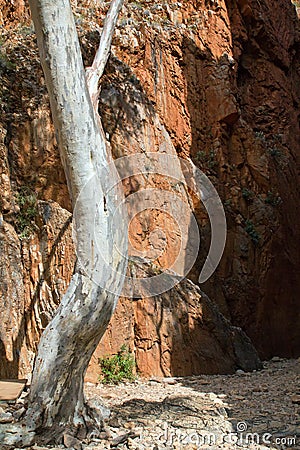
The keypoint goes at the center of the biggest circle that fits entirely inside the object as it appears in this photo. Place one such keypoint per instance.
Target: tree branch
(95, 72)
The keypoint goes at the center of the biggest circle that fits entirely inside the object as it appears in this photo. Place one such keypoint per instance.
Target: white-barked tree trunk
(56, 399)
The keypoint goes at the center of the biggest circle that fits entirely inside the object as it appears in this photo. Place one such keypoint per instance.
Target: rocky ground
(259, 410)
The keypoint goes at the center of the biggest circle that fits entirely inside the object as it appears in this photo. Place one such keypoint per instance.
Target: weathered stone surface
(34, 274)
(221, 86)
(215, 81)
(12, 300)
(5, 417)
(71, 442)
(179, 332)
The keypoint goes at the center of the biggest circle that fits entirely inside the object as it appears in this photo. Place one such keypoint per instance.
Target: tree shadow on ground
(223, 404)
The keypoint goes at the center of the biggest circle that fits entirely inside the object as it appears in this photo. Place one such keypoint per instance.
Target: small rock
(239, 397)
(222, 411)
(4, 405)
(5, 417)
(22, 399)
(71, 442)
(129, 425)
(154, 380)
(37, 447)
(240, 372)
(102, 410)
(276, 359)
(296, 399)
(257, 389)
(19, 413)
(105, 434)
(169, 380)
(14, 435)
(114, 421)
(120, 439)
(212, 396)
(109, 395)
(204, 382)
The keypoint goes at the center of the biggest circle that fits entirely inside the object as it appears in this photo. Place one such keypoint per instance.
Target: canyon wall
(215, 81)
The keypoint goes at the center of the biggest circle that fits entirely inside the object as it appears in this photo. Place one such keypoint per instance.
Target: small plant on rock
(275, 152)
(207, 159)
(201, 156)
(254, 235)
(247, 194)
(273, 199)
(27, 203)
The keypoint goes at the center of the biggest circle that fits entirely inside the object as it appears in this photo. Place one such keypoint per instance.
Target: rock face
(214, 81)
(34, 275)
(224, 79)
(177, 333)
(12, 302)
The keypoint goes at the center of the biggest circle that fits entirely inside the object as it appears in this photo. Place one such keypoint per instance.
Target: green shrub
(117, 368)
(201, 156)
(5, 63)
(247, 194)
(275, 152)
(207, 159)
(254, 235)
(260, 135)
(271, 145)
(273, 199)
(26, 200)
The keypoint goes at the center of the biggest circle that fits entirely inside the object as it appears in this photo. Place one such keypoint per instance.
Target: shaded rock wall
(34, 274)
(179, 332)
(266, 48)
(217, 82)
(224, 80)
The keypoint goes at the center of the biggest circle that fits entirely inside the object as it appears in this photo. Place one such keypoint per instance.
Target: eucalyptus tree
(56, 398)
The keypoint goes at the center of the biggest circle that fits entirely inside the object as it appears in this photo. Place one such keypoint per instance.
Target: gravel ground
(258, 410)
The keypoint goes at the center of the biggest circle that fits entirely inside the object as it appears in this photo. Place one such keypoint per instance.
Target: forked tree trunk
(56, 396)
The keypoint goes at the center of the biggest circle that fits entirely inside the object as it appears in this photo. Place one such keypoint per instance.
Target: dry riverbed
(259, 410)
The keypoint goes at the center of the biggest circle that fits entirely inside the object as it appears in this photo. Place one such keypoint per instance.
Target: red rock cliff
(217, 81)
